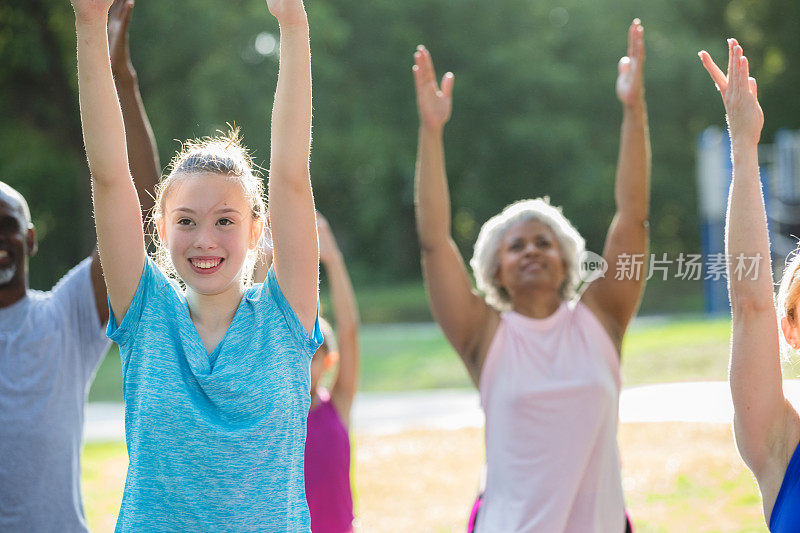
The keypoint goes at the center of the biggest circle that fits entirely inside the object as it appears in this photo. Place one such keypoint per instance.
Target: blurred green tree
(535, 111)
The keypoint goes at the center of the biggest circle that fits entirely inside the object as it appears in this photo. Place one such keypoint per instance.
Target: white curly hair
(485, 261)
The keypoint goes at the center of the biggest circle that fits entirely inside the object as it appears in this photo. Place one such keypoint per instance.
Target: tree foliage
(534, 112)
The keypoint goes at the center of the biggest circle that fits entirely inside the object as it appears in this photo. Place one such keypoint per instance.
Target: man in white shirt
(52, 342)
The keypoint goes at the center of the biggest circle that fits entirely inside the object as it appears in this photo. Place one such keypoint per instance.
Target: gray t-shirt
(50, 346)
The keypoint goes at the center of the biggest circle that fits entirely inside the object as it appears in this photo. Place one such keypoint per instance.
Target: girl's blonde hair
(485, 261)
(788, 296)
(224, 155)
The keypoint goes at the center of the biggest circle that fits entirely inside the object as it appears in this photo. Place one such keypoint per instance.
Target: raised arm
(141, 143)
(613, 300)
(764, 423)
(118, 216)
(345, 317)
(463, 316)
(291, 203)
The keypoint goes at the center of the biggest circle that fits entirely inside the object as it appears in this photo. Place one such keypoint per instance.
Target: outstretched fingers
(719, 77)
(745, 69)
(116, 9)
(433, 100)
(732, 44)
(753, 87)
(424, 72)
(735, 80)
(118, 21)
(416, 71)
(634, 58)
(744, 115)
(447, 84)
(631, 38)
(745, 82)
(127, 9)
(419, 74)
(748, 82)
(624, 65)
(121, 11)
(640, 51)
(636, 40)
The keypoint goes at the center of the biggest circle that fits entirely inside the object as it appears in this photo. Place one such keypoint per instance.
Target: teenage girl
(766, 426)
(215, 375)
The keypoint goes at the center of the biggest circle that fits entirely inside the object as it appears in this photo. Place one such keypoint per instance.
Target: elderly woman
(544, 358)
(766, 426)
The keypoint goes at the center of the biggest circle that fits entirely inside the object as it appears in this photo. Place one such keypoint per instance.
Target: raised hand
(327, 242)
(118, 19)
(288, 12)
(630, 86)
(433, 104)
(90, 10)
(739, 94)
(291, 207)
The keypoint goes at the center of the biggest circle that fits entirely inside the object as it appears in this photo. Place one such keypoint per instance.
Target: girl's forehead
(206, 191)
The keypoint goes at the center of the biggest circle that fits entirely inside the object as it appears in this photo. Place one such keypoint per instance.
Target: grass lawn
(677, 477)
(417, 356)
(682, 349)
(406, 301)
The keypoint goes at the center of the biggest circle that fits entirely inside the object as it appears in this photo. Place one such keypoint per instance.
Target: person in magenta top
(327, 455)
(327, 451)
(544, 355)
(766, 425)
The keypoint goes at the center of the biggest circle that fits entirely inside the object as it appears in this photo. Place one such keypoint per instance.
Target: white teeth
(7, 274)
(206, 264)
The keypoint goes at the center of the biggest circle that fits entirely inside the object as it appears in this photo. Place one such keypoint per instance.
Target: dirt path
(379, 413)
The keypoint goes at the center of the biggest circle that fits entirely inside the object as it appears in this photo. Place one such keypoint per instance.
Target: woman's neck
(537, 304)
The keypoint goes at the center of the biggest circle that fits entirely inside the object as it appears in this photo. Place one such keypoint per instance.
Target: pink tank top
(327, 469)
(550, 392)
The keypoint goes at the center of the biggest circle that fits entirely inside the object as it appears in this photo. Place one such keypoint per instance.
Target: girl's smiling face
(208, 228)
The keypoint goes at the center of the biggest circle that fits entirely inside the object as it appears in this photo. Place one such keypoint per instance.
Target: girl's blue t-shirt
(215, 441)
